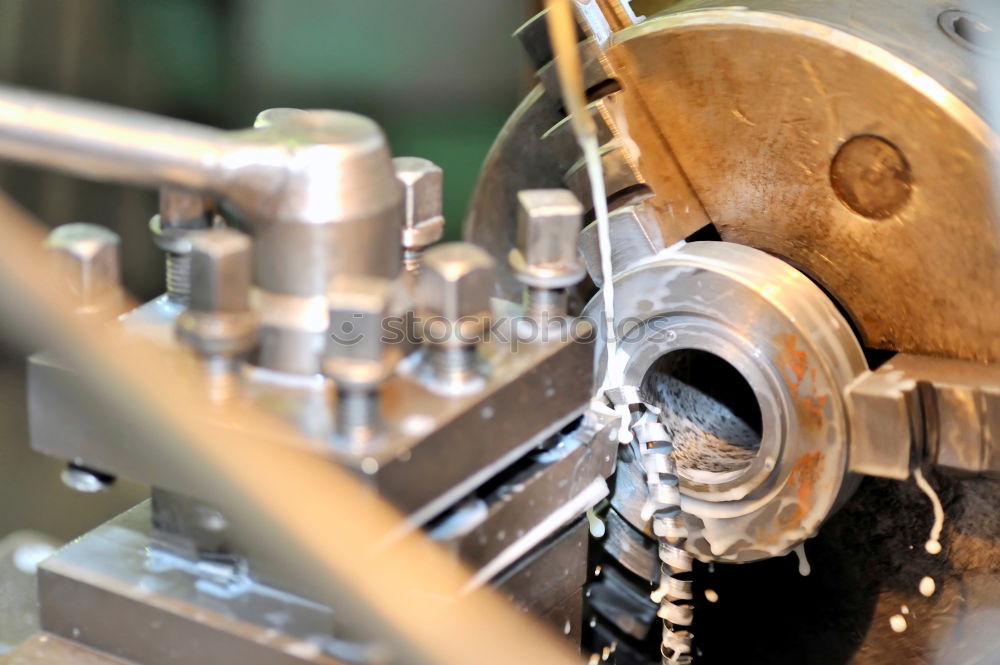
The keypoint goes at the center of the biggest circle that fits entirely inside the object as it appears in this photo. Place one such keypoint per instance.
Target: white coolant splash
(933, 544)
(927, 587)
(660, 592)
(563, 35)
(648, 508)
(596, 524)
(898, 623)
(804, 568)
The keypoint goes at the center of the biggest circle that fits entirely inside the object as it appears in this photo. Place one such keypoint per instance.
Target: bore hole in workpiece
(709, 408)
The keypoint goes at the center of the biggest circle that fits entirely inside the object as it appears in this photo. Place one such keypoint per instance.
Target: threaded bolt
(358, 416)
(546, 304)
(454, 365)
(546, 260)
(423, 222)
(182, 215)
(453, 298)
(219, 324)
(179, 278)
(412, 258)
(358, 356)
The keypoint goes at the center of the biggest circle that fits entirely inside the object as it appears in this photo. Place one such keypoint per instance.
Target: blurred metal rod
(106, 143)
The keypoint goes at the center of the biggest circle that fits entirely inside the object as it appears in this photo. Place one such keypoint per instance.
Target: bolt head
(86, 262)
(221, 262)
(360, 348)
(423, 184)
(457, 281)
(635, 235)
(549, 222)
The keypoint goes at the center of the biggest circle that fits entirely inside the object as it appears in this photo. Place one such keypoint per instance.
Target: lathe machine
(805, 263)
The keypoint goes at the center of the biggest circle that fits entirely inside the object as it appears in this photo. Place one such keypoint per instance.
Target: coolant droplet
(659, 593)
(897, 622)
(927, 586)
(711, 596)
(596, 524)
(933, 545)
(804, 567)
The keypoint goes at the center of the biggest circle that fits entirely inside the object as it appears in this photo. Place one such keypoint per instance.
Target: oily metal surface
(756, 104)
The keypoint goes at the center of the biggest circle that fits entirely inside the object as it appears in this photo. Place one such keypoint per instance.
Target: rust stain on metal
(793, 363)
(806, 473)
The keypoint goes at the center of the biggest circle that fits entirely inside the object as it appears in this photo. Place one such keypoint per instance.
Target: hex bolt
(182, 214)
(423, 183)
(453, 301)
(219, 325)
(359, 355)
(546, 259)
(87, 265)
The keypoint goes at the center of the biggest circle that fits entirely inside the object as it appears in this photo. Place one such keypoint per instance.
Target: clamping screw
(87, 264)
(182, 215)
(423, 224)
(359, 354)
(546, 259)
(219, 325)
(453, 301)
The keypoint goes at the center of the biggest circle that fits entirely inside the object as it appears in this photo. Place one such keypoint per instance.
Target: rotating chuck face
(748, 384)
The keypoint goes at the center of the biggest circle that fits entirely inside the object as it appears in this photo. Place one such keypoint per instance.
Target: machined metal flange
(761, 322)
